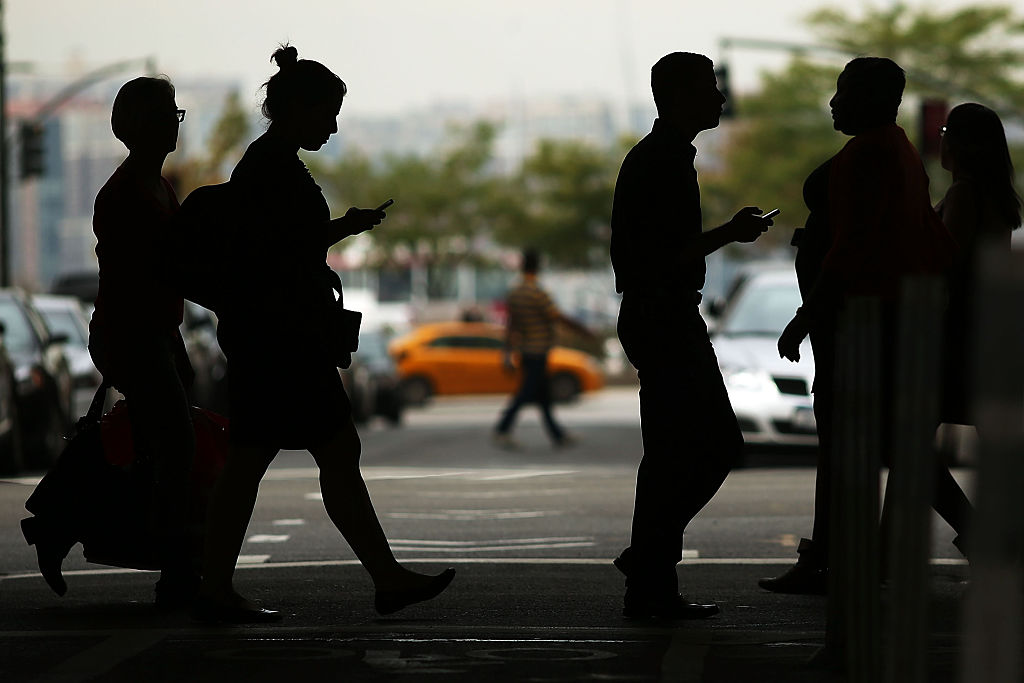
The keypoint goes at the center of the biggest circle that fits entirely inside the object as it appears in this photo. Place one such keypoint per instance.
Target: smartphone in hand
(772, 214)
(392, 201)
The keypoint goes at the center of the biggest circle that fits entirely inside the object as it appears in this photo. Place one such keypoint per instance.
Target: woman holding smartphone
(285, 391)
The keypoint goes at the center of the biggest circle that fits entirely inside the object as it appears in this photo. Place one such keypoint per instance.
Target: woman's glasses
(942, 130)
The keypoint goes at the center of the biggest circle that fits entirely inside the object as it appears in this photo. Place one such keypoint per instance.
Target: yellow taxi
(440, 359)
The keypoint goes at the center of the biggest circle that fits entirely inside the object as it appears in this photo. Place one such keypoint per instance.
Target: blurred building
(51, 213)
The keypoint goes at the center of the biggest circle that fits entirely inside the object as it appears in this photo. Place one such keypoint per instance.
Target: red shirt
(883, 224)
(134, 301)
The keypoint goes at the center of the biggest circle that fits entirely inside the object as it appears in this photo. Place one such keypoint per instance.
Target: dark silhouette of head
(974, 146)
(868, 94)
(531, 260)
(685, 91)
(144, 116)
(303, 99)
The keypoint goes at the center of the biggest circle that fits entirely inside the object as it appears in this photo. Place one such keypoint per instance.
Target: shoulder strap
(95, 411)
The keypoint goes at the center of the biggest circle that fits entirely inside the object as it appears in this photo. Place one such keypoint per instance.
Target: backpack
(201, 236)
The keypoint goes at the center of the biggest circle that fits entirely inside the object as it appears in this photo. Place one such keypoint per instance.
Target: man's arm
(746, 226)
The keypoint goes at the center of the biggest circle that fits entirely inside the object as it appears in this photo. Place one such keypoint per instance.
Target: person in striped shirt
(530, 330)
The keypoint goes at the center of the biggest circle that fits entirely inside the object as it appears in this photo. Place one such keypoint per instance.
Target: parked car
(466, 358)
(210, 386)
(771, 395)
(371, 382)
(66, 315)
(11, 449)
(43, 381)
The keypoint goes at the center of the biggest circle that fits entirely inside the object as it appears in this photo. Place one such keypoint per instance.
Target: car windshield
(764, 310)
(64, 322)
(18, 335)
(372, 346)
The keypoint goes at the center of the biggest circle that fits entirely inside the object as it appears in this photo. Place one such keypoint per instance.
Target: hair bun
(285, 56)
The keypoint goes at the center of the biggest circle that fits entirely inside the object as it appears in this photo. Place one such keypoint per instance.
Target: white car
(771, 395)
(66, 315)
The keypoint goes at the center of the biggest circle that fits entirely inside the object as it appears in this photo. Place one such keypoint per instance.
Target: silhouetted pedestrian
(530, 330)
(658, 247)
(981, 210)
(133, 335)
(285, 390)
(871, 225)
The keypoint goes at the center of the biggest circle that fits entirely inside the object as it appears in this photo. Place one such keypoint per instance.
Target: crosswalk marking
(289, 522)
(474, 515)
(268, 538)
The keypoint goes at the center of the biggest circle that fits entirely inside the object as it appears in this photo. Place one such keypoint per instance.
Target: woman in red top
(133, 336)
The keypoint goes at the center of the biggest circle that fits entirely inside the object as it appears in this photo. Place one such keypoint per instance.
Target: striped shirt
(531, 317)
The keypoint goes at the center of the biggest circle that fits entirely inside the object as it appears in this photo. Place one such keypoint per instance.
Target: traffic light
(932, 117)
(722, 74)
(32, 151)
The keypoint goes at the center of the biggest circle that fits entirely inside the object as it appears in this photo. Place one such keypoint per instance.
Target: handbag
(342, 329)
(102, 494)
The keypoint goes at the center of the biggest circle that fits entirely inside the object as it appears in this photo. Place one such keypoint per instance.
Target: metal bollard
(852, 639)
(906, 523)
(994, 608)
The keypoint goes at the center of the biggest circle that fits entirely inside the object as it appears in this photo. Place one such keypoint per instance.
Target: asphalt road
(531, 532)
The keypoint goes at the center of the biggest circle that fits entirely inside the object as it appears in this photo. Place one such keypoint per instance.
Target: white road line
(724, 561)
(474, 515)
(250, 559)
(489, 495)
(22, 481)
(268, 538)
(289, 522)
(526, 546)
(453, 544)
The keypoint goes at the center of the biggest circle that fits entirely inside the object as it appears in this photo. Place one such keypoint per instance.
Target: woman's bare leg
(228, 518)
(348, 505)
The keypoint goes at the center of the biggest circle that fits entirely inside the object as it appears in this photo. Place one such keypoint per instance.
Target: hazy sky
(397, 54)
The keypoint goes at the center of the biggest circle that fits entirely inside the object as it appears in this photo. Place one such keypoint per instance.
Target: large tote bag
(100, 494)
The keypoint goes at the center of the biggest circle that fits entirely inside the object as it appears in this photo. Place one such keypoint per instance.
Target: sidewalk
(534, 621)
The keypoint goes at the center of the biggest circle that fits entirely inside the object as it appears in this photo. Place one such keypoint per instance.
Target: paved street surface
(531, 533)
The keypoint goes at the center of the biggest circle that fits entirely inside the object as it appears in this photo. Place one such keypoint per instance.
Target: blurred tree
(566, 189)
(224, 146)
(785, 129)
(443, 202)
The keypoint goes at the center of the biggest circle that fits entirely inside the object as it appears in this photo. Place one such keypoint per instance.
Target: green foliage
(223, 147)
(785, 130)
(453, 207)
(973, 52)
(785, 133)
(567, 188)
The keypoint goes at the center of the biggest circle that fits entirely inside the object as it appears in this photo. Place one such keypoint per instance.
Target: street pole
(5, 180)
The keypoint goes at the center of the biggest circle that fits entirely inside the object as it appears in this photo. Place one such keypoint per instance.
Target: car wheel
(564, 387)
(50, 442)
(416, 391)
(12, 450)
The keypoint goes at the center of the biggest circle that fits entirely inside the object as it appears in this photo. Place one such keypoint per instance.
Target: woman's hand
(360, 220)
(792, 336)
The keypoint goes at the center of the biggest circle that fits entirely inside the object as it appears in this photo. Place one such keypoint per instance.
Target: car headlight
(746, 379)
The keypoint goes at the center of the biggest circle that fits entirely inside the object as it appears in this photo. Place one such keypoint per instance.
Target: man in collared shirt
(532, 317)
(658, 249)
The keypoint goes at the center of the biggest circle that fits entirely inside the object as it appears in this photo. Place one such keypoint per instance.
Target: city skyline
(398, 55)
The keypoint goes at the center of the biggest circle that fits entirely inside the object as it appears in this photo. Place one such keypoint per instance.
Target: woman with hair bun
(285, 390)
